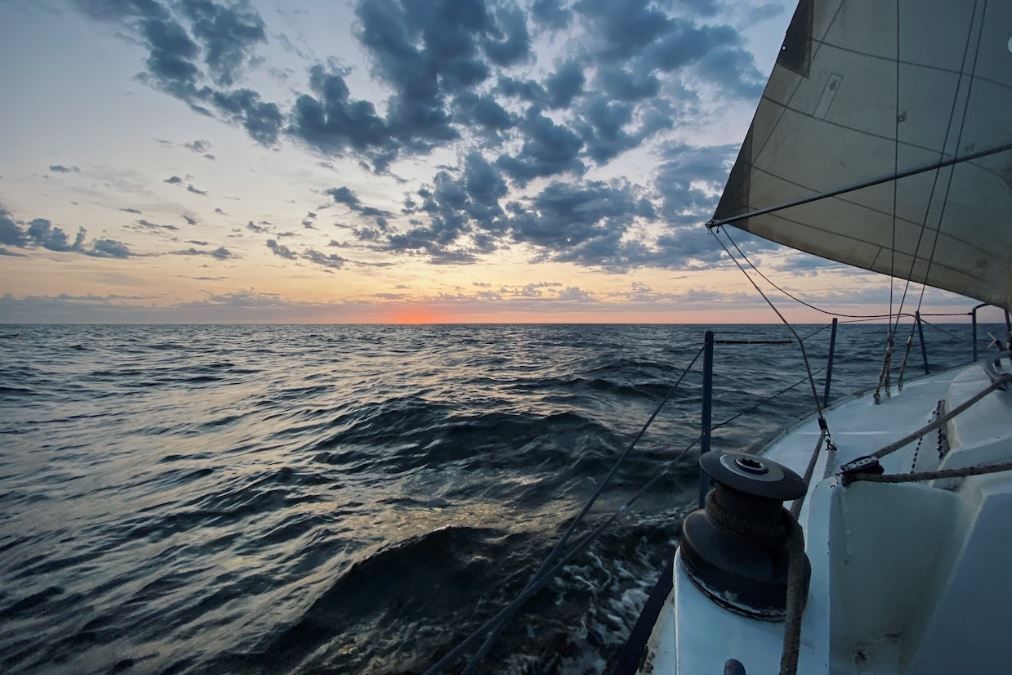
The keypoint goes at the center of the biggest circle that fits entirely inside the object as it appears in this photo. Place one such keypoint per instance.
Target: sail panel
(865, 88)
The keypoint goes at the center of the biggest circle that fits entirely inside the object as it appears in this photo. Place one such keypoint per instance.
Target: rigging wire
(941, 155)
(504, 616)
(815, 307)
(959, 140)
(545, 573)
(896, 166)
(804, 353)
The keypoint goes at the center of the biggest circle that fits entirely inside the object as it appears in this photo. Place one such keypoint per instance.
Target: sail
(871, 88)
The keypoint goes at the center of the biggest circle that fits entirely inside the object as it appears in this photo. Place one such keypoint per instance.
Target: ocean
(356, 499)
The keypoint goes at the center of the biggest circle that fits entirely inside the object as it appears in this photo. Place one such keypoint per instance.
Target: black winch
(736, 550)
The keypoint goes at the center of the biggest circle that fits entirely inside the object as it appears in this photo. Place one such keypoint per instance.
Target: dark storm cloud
(60, 168)
(173, 180)
(548, 149)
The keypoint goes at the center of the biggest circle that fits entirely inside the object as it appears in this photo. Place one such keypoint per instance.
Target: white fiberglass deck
(906, 578)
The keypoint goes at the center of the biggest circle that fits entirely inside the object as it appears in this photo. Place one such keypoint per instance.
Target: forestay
(870, 88)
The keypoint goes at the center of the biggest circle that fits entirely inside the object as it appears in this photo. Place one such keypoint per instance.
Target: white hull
(906, 578)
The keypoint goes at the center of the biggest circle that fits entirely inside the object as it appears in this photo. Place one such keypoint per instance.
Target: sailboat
(872, 536)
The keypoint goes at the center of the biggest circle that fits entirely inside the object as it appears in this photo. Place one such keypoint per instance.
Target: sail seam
(959, 140)
(945, 143)
(818, 45)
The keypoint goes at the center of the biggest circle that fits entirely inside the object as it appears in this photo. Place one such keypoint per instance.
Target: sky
(384, 161)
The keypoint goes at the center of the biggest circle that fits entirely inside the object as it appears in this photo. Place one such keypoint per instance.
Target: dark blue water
(352, 499)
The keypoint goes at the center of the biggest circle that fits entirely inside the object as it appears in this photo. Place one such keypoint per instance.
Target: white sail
(870, 88)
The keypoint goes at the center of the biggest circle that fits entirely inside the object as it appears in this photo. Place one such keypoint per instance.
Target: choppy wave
(349, 499)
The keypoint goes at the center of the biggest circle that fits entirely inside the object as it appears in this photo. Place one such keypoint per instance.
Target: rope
(809, 470)
(965, 472)
(886, 371)
(798, 574)
(765, 536)
(909, 438)
(906, 358)
(539, 579)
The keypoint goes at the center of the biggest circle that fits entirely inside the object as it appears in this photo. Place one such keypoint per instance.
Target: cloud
(690, 179)
(41, 233)
(134, 211)
(281, 250)
(583, 223)
(548, 149)
(262, 120)
(109, 248)
(190, 220)
(256, 228)
(574, 294)
(344, 195)
(220, 253)
(333, 122)
(173, 180)
(565, 84)
(228, 35)
(197, 49)
(190, 188)
(551, 14)
(61, 168)
(10, 233)
(329, 260)
(201, 147)
(146, 225)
